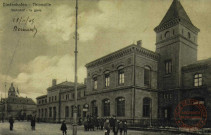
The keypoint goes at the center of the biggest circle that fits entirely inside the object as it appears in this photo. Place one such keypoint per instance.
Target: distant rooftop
(66, 84)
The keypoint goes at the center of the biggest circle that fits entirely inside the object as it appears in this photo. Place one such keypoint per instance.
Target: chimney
(139, 43)
(53, 82)
(85, 79)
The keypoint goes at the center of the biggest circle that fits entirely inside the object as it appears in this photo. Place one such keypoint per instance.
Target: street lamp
(76, 52)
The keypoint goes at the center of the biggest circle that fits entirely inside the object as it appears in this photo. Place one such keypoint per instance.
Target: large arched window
(106, 107)
(94, 108)
(121, 75)
(120, 106)
(146, 107)
(147, 76)
(66, 111)
(198, 80)
(107, 79)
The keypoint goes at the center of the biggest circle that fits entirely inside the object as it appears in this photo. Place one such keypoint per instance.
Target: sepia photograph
(105, 67)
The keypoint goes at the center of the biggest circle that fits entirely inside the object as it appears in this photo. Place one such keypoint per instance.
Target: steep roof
(176, 10)
(175, 14)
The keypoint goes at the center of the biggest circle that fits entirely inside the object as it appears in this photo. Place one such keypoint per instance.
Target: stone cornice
(174, 22)
(123, 52)
(194, 67)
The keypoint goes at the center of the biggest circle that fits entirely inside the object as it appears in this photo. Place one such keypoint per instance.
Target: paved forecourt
(24, 128)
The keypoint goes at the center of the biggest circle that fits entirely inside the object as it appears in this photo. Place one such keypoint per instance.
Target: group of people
(116, 126)
(108, 124)
(90, 123)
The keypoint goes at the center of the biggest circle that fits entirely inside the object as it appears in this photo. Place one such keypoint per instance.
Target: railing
(158, 123)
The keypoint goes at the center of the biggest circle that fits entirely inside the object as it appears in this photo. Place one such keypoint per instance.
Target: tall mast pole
(76, 52)
(5, 86)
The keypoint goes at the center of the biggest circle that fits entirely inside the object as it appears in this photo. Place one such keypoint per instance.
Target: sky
(31, 59)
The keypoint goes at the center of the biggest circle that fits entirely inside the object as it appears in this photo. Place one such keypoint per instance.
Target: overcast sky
(31, 62)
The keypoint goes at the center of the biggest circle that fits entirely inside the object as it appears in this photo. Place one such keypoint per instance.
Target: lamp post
(76, 52)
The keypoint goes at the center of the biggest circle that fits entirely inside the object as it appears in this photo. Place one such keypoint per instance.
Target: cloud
(36, 78)
(58, 25)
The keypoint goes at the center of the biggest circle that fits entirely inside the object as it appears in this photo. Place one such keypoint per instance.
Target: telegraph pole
(76, 52)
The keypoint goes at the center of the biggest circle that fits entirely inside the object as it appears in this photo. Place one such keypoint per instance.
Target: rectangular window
(146, 107)
(50, 112)
(45, 112)
(67, 97)
(49, 99)
(121, 77)
(66, 111)
(73, 95)
(166, 113)
(107, 80)
(55, 98)
(79, 94)
(72, 110)
(95, 83)
(168, 67)
(197, 80)
(147, 76)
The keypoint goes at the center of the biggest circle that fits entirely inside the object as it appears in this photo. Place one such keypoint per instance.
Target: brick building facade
(136, 83)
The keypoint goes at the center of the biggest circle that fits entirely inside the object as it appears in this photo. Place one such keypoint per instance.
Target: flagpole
(76, 52)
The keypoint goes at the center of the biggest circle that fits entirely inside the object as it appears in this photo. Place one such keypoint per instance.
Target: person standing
(125, 128)
(115, 127)
(11, 121)
(121, 127)
(107, 127)
(33, 123)
(64, 128)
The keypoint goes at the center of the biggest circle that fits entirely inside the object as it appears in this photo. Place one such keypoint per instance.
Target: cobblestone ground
(24, 128)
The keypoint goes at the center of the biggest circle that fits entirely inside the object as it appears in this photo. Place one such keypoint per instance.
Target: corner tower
(176, 42)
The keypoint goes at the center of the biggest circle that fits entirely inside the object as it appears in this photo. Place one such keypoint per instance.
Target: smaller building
(58, 104)
(18, 107)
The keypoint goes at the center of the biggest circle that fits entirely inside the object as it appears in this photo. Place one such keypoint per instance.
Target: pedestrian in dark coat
(64, 128)
(125, 128)
(33, 123)
(115, 127)
(101, 123)
(11, 121)
(107, 127)
(121, 127)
